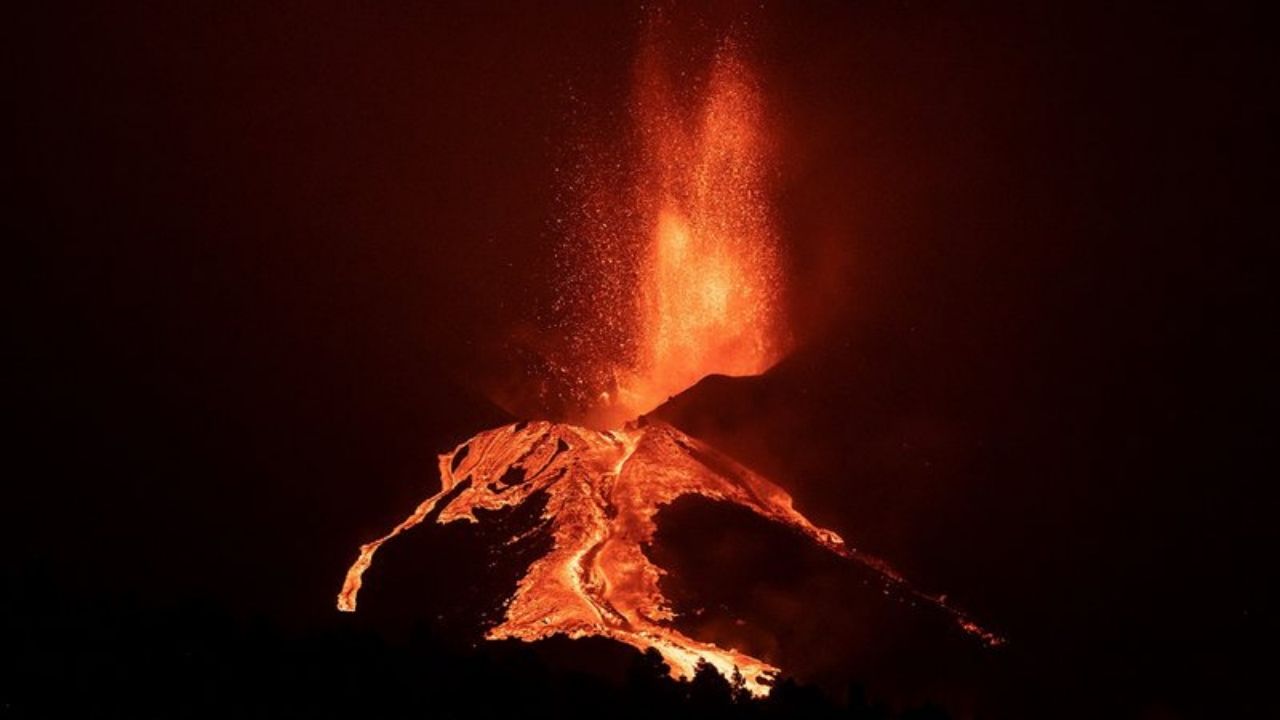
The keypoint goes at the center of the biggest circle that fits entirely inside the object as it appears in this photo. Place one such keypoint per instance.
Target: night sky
(271, 260)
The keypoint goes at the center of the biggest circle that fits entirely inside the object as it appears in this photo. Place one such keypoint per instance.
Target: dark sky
(268, 260)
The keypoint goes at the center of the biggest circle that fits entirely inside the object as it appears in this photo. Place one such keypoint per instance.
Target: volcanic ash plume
(603, 490)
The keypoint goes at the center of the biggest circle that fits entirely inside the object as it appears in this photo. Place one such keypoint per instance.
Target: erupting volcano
(675, 275)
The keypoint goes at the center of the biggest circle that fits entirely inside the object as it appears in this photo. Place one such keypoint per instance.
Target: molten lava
(674, 275)
(673, 264)
(603, 490)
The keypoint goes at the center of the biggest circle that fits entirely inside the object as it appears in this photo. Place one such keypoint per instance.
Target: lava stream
(603, 492)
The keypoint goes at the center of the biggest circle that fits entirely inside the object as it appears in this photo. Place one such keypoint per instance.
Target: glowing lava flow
(603, 491)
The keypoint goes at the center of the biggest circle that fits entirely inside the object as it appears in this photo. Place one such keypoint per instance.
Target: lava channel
(604, 490)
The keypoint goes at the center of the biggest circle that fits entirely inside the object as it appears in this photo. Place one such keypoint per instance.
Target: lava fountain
(671, 264)
(676, 280)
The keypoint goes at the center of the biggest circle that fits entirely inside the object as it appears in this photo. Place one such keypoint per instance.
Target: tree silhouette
(709, 691)
(130, 660)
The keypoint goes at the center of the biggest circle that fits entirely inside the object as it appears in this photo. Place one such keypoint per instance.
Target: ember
(672, 266)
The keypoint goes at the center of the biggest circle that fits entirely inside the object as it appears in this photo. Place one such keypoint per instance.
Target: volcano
(672, 272)
(602, 493)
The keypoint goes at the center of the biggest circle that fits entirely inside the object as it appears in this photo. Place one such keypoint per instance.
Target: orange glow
(671, 272)
(680, 277)
(604, 490)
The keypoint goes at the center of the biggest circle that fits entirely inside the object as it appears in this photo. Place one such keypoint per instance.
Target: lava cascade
(604, 490)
